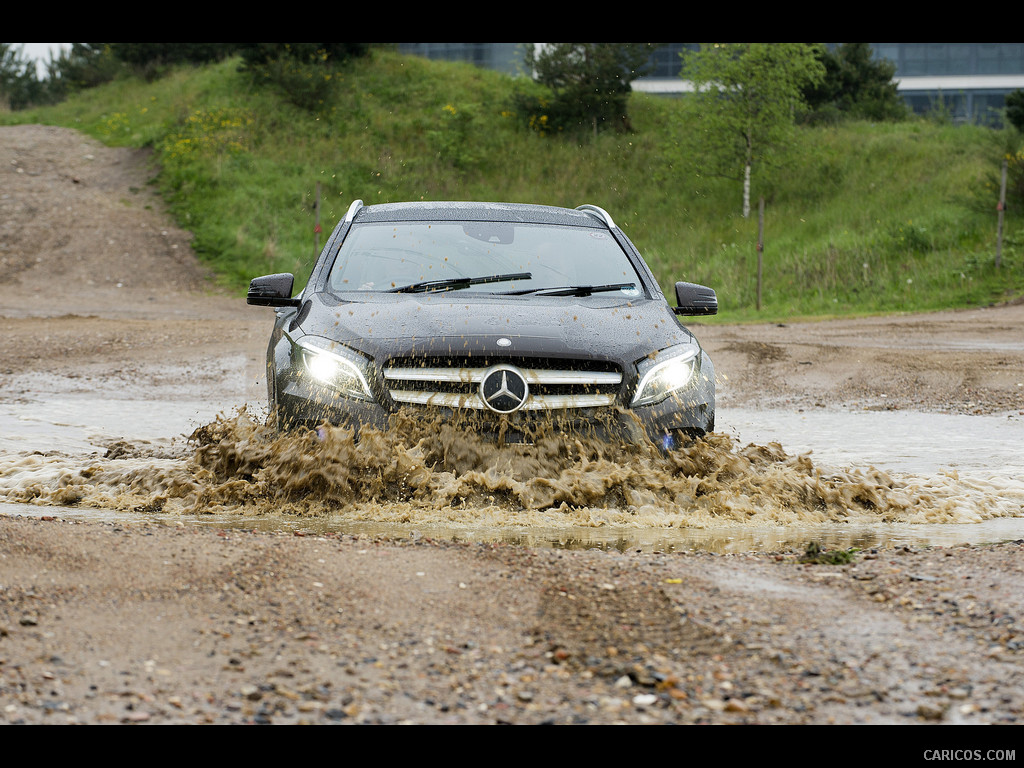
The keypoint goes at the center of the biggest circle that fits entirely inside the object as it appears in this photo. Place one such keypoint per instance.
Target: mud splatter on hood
(461, 323)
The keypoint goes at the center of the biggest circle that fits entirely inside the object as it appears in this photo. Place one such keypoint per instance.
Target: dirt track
(152, 623)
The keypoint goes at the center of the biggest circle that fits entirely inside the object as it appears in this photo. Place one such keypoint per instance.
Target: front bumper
(300, 403)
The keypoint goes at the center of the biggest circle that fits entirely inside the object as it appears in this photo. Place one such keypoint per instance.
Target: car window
(382, 257)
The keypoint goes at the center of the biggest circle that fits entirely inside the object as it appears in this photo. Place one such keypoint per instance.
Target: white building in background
(969, 80)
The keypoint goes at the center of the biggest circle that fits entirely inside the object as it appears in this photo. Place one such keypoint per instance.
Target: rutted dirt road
(143, 622)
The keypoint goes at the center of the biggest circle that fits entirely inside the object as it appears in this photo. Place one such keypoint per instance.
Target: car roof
(478, 211)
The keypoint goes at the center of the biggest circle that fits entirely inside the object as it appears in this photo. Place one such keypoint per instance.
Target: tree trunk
(746, 176)
(746, 191)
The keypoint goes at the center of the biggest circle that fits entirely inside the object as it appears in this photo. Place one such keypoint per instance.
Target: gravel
(165, 623)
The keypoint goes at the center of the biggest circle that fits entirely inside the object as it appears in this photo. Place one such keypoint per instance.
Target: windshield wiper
(456, 283)
(575, 290)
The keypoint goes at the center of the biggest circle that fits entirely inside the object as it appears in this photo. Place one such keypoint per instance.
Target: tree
(589, 82)
(144, 54)
(302, 72)
(1015, 109)
(19, 84)
(151, 60)
(256, 55)
(746, 97)
(85, 65)
(855, 85)
(1012, 152)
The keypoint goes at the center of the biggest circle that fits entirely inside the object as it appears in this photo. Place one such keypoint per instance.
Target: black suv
(512, 313)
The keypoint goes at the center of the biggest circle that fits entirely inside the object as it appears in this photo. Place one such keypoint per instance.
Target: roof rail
(600, 213)
(352, 209)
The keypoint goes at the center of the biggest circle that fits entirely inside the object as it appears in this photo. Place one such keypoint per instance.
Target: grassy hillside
(862, 218)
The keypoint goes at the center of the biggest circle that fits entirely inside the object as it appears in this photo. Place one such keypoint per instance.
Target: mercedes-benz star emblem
(503, 389)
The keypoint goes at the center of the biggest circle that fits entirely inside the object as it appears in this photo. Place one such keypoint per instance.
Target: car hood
(382, 326)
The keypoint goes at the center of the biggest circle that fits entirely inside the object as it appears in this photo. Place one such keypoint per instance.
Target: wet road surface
(779, 479)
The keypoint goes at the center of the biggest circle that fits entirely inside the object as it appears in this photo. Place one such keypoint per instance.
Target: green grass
(859, 218)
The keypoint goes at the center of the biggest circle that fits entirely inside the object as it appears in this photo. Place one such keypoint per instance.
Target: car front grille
(456, 383)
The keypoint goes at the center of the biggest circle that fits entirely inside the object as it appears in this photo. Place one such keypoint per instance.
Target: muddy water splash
(434, 472)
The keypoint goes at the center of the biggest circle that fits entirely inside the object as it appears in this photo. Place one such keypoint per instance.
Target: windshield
(480, 257)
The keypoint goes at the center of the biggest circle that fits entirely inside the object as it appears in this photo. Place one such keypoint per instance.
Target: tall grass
(859, 218)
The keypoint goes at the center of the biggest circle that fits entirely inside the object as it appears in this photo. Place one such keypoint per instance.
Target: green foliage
(1015, 179)
(982, 194)
(18, 81)
(142, 55)
(206, 136)
(745, 98)
(86, 65)
(588, 86)
(453, 138)
(854, 86)
(815, 554)
(307, 85)
(153, 60)
(867, 218)
(256, 55)
(1015, 109)
(305, 73)
(20, 84)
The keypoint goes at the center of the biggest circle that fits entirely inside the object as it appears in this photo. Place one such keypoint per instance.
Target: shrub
(303, 72)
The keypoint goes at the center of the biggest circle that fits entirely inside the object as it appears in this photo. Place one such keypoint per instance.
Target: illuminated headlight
(666, 373)
(334, 366)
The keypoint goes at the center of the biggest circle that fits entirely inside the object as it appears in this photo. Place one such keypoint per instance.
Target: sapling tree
(746, 97)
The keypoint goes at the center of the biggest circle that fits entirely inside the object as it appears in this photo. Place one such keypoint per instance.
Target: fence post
(316, 226)
(760, 247)
(1000, 208)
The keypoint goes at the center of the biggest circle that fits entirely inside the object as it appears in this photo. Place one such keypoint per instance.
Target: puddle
(899, 441)
(76, 424)
(771, 480)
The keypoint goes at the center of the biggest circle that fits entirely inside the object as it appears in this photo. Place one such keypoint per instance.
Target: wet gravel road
(105, 623)
(156, 622)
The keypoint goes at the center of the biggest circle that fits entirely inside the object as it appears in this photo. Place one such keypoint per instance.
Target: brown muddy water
(769, 480)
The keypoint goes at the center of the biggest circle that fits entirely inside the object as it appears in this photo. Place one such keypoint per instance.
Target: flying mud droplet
(436, 471)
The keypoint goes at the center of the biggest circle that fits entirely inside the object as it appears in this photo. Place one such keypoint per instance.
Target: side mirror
(272, 291)
(695, 299)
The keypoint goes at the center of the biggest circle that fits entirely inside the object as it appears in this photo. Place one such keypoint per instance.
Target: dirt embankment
(111, 623)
